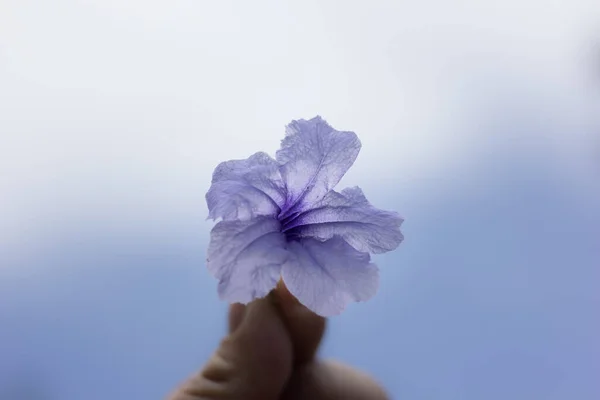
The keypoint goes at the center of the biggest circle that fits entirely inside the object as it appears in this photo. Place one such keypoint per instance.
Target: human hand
(269, 354)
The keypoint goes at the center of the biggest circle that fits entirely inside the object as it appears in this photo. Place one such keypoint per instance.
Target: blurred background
(480, 124)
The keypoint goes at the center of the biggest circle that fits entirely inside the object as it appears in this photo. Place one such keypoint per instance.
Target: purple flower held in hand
(281, 219)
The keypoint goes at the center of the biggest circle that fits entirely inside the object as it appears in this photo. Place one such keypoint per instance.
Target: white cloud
(106, 103)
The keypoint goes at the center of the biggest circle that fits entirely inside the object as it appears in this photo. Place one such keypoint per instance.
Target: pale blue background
(482, 133)
(493, 295)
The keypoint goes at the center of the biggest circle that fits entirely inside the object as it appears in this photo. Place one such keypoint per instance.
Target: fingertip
(306, 328)
(254, 361)
(261, 350)
(236, 315)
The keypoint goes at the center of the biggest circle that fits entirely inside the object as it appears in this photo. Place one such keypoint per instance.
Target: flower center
(289, 221)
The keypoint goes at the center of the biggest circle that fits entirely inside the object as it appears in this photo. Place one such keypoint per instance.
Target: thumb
(252, 362)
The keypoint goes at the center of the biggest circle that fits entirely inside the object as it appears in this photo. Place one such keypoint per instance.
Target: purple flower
(281, 219)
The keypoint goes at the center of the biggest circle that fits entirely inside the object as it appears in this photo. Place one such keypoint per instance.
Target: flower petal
(326, 276)
(242, 189)
(246, 257)
(313, 159)
(349, 215)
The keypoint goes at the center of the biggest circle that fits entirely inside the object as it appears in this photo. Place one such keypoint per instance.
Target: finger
(331, 380)
(236, 315)
(305, 327)
(252, 362)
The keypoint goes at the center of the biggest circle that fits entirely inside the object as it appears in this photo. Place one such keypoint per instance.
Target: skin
(269, 354)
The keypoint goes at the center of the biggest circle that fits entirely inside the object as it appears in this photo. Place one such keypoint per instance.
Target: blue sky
(483, 133)
(493, 295)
